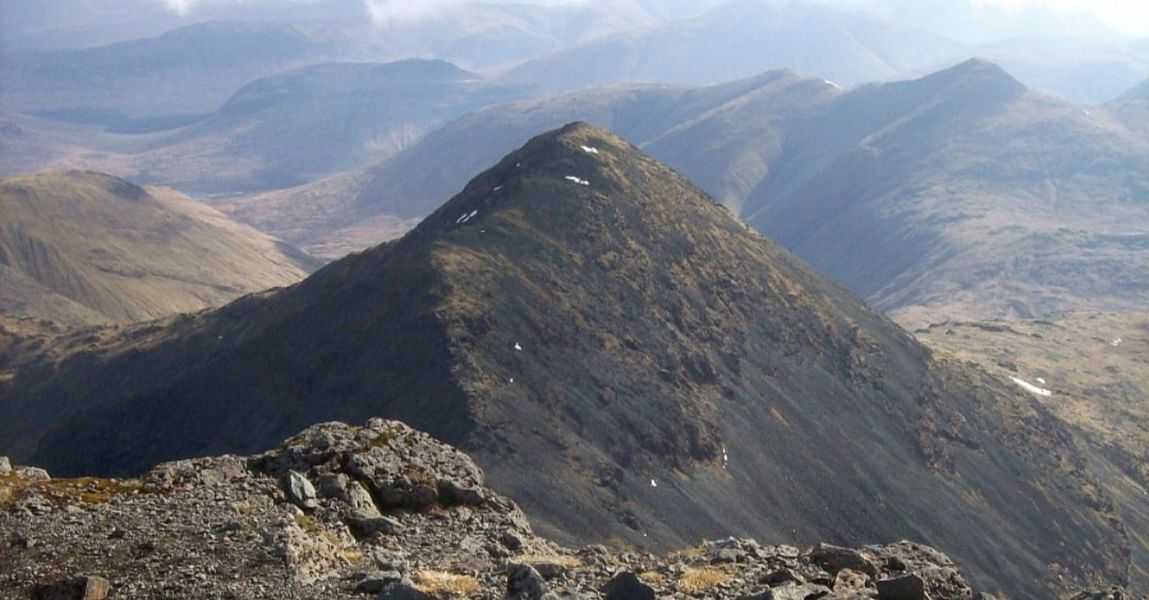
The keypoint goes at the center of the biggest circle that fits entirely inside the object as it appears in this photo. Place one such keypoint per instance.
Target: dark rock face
(835, 558)
(524, 583)
(79, 588)
(227, 528)
(624, 358)
(903, 587)
(626, 586)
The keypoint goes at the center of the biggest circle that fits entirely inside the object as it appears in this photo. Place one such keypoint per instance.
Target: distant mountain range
(624, 358)
(83, 248)
(161, 82)
(743, 38)
(956, 195)
(275, 132)
(171, 69)
(1132, 108)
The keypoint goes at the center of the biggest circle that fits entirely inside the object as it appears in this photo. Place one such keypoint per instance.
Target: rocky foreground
(388, 512)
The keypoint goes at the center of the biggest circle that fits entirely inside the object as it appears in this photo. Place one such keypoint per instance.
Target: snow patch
(518, 348)
(1041, 380)
(1033, 389)
(1117, 342)
(497, 188)
(577, 180)
(725, 458)
(653, 483)
(466, 217)
(589, 149)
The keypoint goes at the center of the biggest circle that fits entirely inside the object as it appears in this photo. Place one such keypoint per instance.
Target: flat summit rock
(225, 527)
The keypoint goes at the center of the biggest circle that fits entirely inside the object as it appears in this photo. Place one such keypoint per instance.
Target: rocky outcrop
(384, 511)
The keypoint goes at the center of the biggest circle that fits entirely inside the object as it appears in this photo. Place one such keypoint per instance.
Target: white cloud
(1124, 15)
(388, 11)
(1131, 16)
(180, 7)
(384, 12)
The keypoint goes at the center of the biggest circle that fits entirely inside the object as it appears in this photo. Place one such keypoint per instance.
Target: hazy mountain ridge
(1132, 108)
(740, 39)
(914, 194)
(341, 211)
(126, 253)
(303, 124)
(583, 315)
(160, 82)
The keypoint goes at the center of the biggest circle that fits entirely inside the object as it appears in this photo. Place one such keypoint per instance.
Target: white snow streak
(577, 180)
(466, 217)
(589, 149)
(653, 483)
(1029, 387)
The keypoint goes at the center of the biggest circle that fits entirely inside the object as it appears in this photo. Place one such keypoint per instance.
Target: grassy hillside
(1095, 367)
(127, 253)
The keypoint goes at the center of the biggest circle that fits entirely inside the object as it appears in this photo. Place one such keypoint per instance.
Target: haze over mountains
(638, 363)
(159, 82)
(582, 315)
(743, 38)
(917, 195)
(191, 70)
(84, 248)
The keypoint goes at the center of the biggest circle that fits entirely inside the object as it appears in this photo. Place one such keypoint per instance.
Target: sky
(1129, 16)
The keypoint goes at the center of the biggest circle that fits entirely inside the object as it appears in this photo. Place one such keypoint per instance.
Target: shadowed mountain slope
(1094, 368)
(621, 355)
(82, 248)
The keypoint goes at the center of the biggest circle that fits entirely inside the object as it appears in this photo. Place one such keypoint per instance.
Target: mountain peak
(1138, 92)
(618, 352)
(979, 72)
(561, 177)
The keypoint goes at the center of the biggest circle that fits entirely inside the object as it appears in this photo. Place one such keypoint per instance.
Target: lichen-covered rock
(524, 583)
(301, 492)
(31, 474)
(836, 558)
